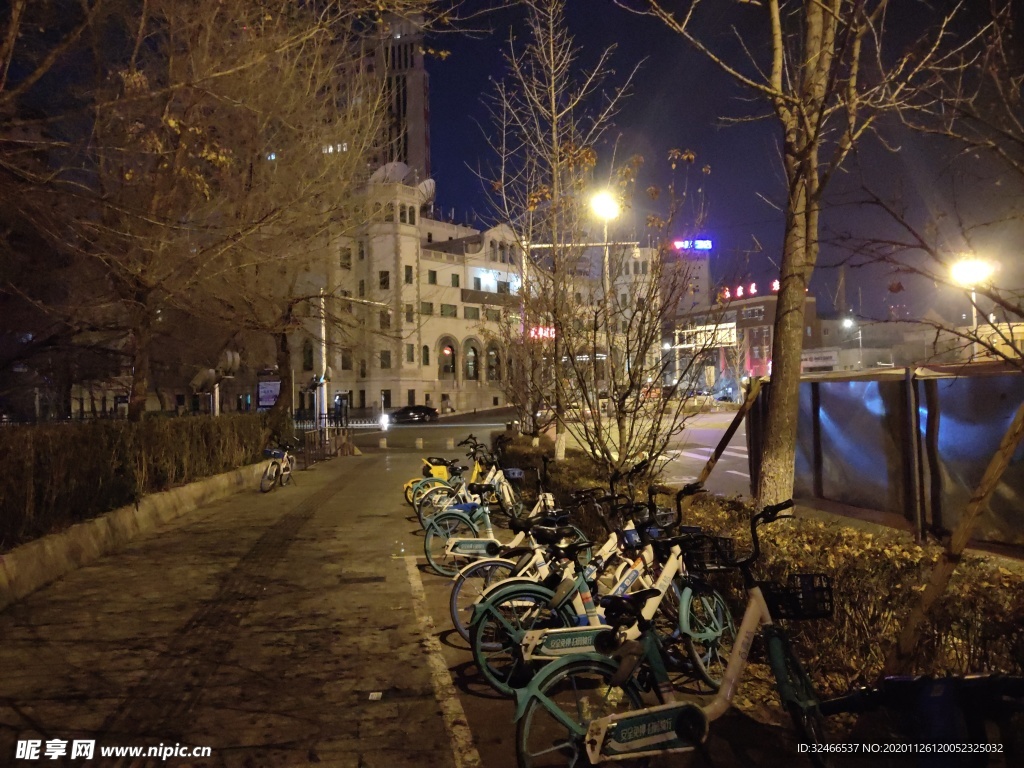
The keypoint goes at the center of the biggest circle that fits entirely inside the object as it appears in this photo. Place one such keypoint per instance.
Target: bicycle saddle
(568, 551)
(479, 489)
(551, 536)
(625, 610)
(521, 525)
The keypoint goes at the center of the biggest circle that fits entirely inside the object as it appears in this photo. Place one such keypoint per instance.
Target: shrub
(978, 626)
(64, 473)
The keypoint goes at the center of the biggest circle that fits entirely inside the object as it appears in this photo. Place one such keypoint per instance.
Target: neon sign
(692, 245)
(741, 291)
(542, 332)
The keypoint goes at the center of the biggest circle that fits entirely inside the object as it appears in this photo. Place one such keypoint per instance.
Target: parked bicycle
(279, 470)
(588, 709)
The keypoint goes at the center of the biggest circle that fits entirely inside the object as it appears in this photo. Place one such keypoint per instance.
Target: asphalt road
(686, 455)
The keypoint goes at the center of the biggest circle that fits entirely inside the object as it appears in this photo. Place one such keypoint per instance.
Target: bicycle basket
(805, 596)
(516, 475)
(273, 453)
(708, 553)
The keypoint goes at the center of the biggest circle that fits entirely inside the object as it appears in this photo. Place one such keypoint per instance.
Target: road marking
(735, 472)
(737, 454)
(692, 455)
(463, 748)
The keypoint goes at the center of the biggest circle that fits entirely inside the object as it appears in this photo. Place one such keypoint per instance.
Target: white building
(426, 300)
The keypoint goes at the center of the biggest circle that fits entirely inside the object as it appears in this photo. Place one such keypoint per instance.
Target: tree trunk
(779, 453)
(279, 419)
(143, 338)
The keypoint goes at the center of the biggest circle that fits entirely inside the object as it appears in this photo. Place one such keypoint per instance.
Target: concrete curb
(33, 565)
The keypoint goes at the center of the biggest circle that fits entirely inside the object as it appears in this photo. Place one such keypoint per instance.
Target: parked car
(413, 413)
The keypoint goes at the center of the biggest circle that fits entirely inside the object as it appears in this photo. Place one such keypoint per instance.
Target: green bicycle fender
(532, 689)
(485, 606)
(776, 644)
(432, 522)
(431, 481)
(488, 593)
(685, 597)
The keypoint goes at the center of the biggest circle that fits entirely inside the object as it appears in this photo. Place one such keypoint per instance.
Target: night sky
(678, 101)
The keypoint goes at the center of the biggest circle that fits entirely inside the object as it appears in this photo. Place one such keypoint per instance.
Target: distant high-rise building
(400, 62)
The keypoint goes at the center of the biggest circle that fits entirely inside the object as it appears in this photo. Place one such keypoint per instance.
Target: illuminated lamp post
(849, 323)
(606, 208)
(970, 272)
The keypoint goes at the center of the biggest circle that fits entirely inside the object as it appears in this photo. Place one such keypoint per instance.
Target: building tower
(407, 90)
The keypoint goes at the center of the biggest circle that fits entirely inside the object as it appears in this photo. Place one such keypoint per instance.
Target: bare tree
(547, 117)
(826, 71)
(595, 307)
(187, 158)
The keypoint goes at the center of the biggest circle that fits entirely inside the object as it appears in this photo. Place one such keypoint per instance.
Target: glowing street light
(849, 324)
(606, 208)
(970, 272)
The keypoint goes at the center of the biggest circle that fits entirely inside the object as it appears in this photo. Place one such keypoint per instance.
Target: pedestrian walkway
(277, 630)
(289, 629)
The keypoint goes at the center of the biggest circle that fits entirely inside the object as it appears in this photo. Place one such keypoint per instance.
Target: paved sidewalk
(259, 628)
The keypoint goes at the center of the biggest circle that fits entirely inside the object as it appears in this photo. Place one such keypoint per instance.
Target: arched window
(403, 215)
(412, 214)
(389, 212)
(447, 360)
(426, 355)
(503, 250)
(494, 251)
(493, 365)
(307, 355)
(472, 367)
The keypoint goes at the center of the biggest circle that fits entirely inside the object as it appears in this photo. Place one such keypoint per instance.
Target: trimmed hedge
(63, 473)
(977, 627)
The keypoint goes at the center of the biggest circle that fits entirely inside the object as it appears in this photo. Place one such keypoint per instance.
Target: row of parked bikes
(578, 631)
(621, 648)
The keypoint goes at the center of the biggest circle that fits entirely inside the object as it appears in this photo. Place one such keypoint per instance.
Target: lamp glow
(605, 206)
(970, 272)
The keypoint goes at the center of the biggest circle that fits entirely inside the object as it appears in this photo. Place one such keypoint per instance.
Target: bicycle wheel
(422, 486)
(440, 528)
(407, 491)
(472, 583)
(798, 695)
(286, 475)
(270, 477)
(583, 692)
(433, 501)
(495, 637)
(708, 632)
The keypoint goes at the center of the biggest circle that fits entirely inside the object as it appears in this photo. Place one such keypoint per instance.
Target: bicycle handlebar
(768, 514)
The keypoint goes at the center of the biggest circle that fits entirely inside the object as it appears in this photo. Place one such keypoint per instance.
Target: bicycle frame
(484, 546)
(547, 644)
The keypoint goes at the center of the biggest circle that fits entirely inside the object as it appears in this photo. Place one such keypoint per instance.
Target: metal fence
(914, 442)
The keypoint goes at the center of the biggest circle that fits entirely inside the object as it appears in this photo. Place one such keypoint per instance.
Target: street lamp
(606, 208)
(970, 272)
(849, 323)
